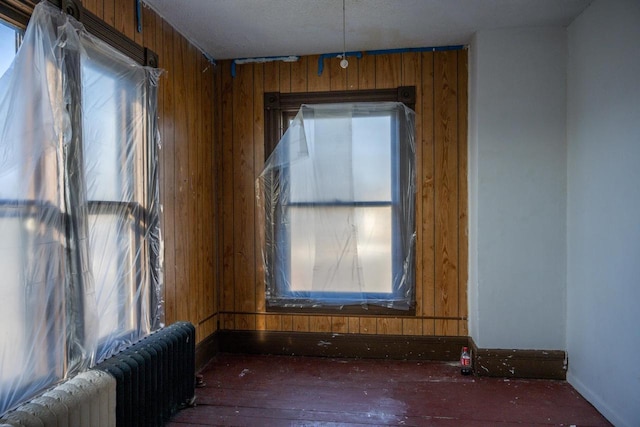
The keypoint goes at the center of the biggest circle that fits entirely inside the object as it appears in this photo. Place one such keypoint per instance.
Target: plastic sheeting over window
(338, 193)
(80, 241)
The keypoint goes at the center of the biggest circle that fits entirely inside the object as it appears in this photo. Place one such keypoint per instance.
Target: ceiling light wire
(344, 63)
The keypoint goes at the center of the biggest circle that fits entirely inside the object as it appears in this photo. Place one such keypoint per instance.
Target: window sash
(287, 283)
(302, 249)
(25, 220)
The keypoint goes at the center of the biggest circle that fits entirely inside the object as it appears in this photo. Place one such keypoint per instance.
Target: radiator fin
(85, 400)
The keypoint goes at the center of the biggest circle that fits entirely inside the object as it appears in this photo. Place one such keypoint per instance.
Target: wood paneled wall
(212, 129)
(187, 186)
(441, 208)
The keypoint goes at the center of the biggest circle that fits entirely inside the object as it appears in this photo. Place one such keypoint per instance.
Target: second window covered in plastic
(338, 196)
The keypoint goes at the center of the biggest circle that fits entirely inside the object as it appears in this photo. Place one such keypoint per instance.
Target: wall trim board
(397, 347)
(535, 364)
(504, 363)
(206, 350)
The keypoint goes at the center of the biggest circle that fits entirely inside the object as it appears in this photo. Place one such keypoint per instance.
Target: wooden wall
(187, 187)
(441, 134)
(213, 149)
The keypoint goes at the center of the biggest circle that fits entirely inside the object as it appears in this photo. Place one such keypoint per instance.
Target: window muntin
(340, 224)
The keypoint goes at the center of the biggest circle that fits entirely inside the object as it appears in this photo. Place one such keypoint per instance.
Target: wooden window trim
(276, 103)
(18, 13)
(276, 106)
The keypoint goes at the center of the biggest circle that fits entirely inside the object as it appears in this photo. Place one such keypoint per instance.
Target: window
(79, 230)
(31, 234)
(115, 149)
(339, 204)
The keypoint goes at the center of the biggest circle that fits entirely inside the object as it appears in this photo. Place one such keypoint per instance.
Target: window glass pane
(112, 240)
(349, 250)
(353, 153)
(372, 153)
(375, 248)
(330, 155)
(107, 160)
(7, 46)
(9, 172)
(101, 136)
(12, 331)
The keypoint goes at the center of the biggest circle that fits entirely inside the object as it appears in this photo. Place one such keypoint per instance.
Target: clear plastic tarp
(338, 194)
(80, 242)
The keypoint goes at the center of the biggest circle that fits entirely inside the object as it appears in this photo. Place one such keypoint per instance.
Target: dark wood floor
(262, 391)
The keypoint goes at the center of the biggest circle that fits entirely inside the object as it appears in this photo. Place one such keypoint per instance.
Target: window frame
(280, 107)
(37, 209)
(136, 214)
(127, 212)
(16, 14)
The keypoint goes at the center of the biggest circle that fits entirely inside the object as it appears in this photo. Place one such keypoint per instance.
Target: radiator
(88, 399)
(155, 377)
(143, 385)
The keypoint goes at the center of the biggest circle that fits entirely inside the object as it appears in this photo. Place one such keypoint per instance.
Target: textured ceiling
(227, 29)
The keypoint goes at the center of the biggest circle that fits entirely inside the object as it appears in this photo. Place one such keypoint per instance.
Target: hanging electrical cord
(344, 63)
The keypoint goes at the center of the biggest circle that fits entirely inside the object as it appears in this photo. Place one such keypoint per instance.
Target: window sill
(292, 307)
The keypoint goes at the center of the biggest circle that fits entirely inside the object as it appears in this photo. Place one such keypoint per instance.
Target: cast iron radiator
(155, 377)
(88, 399)
(143, 385)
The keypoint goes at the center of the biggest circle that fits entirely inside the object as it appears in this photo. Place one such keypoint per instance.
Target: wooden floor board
(253, 390)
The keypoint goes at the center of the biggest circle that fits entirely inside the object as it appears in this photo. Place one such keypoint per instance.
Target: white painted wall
(554, 224)
(517, 179)
(603, 209)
